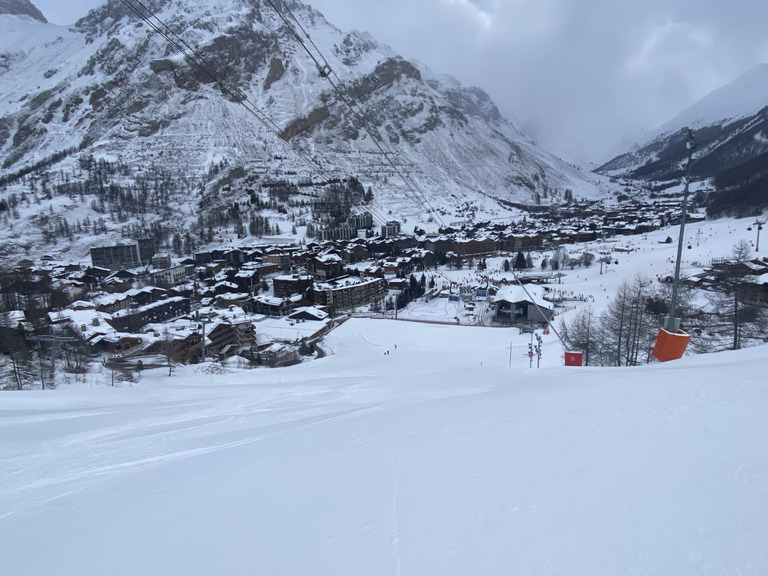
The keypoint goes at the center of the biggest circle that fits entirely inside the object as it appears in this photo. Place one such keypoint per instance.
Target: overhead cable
(234, 93)
(327, 72)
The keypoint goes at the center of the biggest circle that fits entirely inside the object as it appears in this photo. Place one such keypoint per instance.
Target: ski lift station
(513, 304)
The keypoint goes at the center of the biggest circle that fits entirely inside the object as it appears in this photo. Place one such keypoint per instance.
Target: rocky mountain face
(266, 104)
(730, 127)
(21, 8)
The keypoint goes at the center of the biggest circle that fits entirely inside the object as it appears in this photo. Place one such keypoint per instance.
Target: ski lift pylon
(670, 345)
(671, 342)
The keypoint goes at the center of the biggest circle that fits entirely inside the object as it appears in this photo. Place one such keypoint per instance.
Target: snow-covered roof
(12, 318)
(287, 277)
(312, 310)
(515, 294)
(149, 306)
(343, 282)
(325, 258)
(269, 300)
(86, 323)
(109, 299)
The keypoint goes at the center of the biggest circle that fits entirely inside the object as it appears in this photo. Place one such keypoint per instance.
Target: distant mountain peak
(730, 125)
(744, 96)
(21, 8)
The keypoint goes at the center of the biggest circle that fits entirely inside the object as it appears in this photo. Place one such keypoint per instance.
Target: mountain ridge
(164, 97)
(22, 8)
(730, 126)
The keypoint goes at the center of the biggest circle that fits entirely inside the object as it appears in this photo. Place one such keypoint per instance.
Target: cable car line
(326, 71)
(226, 88)
(238, 96)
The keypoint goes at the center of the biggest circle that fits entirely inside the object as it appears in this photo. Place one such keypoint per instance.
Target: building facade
(348, 292)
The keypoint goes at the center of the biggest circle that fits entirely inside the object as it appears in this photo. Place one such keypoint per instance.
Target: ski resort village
(270, 304)
(276, 299)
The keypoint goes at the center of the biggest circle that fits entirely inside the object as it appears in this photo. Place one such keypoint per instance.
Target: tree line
(625, 333)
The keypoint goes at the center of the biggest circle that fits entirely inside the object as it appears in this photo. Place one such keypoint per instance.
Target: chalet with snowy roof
(265, 268)
(120, 281)
(574, 235)
(324, 266)
(391, 245)
(185, 345)
(374, 271)
(398, 284)
(213, 268)
(643, 226)
(231, 299)
(224, 288)
(146, 295)
(308, 313)
(202, 258)
(71, 288)
(421, 258)
(752, 276)
(94, 275)
(222, 275)
(253, 254)
(235, 257)
(619, 228)
(355, 251)
(247, 280)
(186, 290)
(398, 266)
(12, 328)
(305, 323)
(111, 303)
(270, 305)
(88, 324)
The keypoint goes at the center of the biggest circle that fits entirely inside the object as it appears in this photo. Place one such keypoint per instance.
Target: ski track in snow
(396, 550)
(31, 488)
(637, 468)
(416, 462)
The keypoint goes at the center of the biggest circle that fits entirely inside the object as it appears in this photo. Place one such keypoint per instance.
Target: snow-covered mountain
(741, 98)
(21, 7)
(114, 88)
(731, 131)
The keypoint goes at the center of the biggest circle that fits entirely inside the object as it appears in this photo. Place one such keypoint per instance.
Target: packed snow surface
(409, 449)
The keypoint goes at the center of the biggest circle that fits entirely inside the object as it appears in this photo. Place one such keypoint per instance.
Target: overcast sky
(579, 76)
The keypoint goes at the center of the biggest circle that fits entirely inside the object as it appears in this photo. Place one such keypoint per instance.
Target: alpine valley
(108, 129)
(731, 132)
